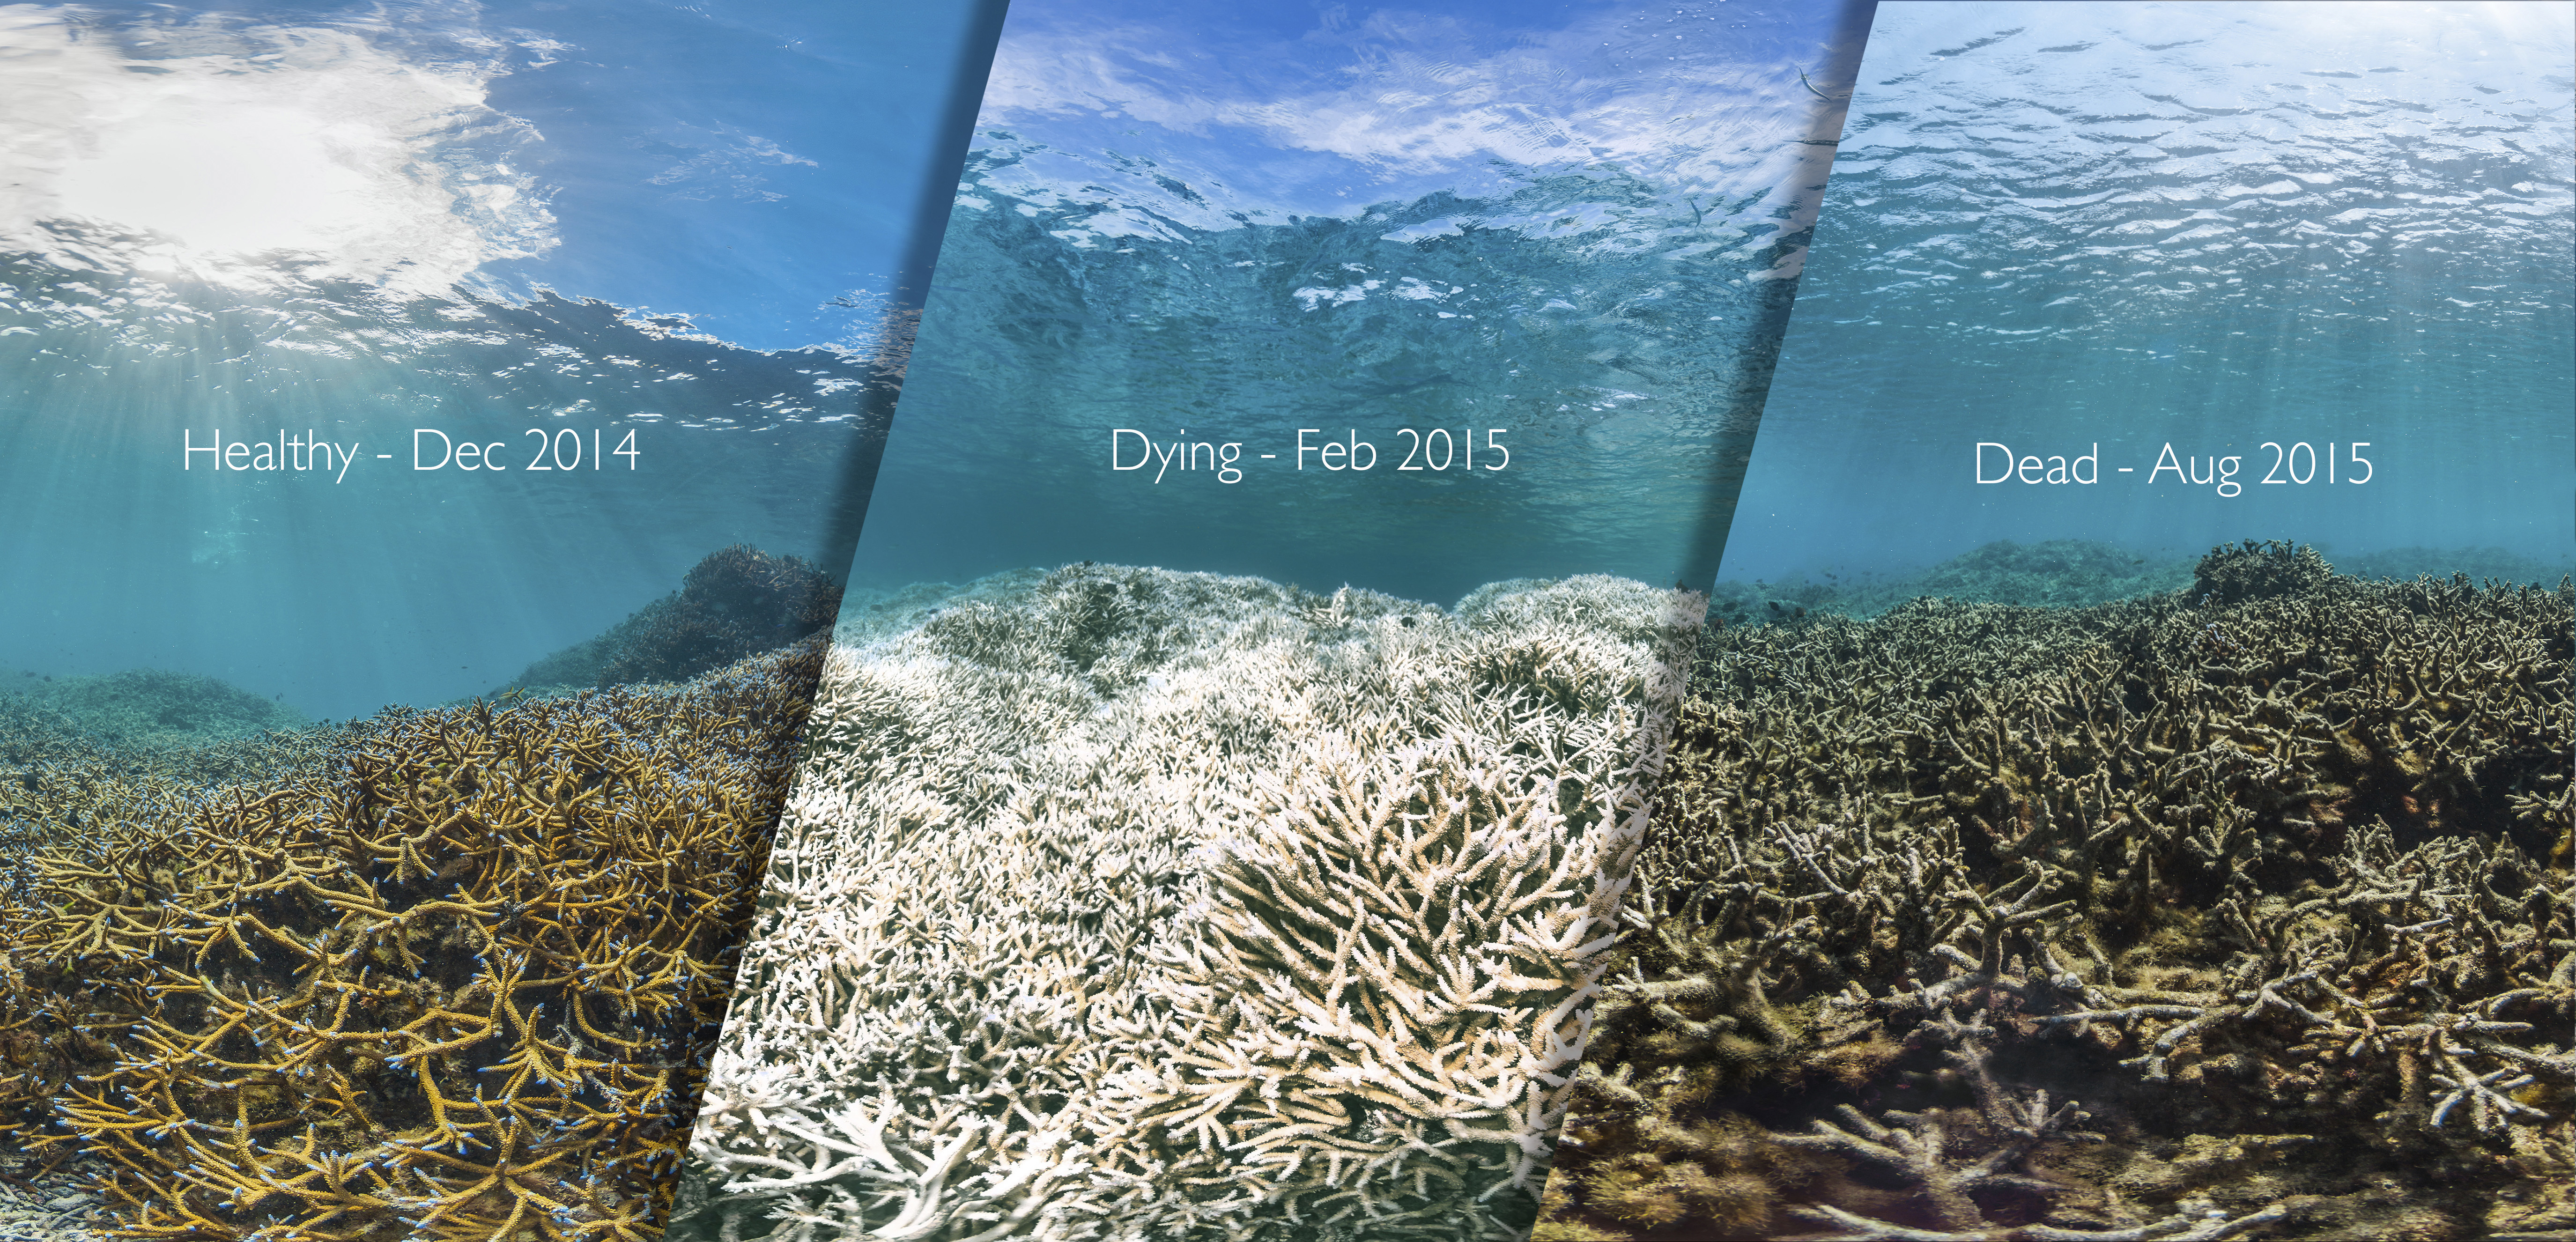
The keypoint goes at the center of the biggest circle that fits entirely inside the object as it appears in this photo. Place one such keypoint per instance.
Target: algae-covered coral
(433, 974)
(1130, 903)
(2243, 909)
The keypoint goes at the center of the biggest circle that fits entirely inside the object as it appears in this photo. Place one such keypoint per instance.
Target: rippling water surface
(1564, 237)
(672, 230)
(2081, 229)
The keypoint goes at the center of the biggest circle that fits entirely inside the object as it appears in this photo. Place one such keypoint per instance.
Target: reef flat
(2242, 910)
(1130, 903)
(432, 974)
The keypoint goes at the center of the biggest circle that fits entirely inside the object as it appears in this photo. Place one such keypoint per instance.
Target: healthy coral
(452, 977)
(2276, 890)
(1140, 904)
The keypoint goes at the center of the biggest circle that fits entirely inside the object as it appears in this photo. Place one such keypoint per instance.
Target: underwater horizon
(647, 246)
(2086, 235)
(2124, 790)
(1527, 270)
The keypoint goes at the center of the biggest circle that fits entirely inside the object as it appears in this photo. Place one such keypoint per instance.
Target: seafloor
(2238, 910)
(1130, 903)
(448, 973)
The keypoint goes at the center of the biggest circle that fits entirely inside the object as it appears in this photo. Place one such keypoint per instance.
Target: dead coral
(2284, 877)
(457, 982)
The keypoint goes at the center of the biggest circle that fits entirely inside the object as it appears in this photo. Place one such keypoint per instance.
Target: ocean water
(1531, 288)
(2140, 674)
(2330, 244)
(679, 232)
(378, 385)
(1264, 630)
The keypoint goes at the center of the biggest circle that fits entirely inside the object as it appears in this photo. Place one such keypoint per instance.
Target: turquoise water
(678, 231)
(2332, 245)
(1525, 267)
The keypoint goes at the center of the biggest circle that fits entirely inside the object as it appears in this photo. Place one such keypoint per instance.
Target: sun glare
(239, 180)
(264, 151)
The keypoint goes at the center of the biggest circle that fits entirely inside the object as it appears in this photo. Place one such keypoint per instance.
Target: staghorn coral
(451, 974)
(2278, 889)
(1139, 904)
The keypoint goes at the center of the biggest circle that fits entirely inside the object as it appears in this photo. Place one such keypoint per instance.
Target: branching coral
(1398, 957)
(455, 980)
(1130, 903)
(2278, 888)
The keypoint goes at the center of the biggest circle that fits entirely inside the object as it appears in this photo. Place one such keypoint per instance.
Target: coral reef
(149, 707)
(1129, 903)
(2075, 572)
(2238, 910)
(736, 603)
(440, 974)
(2252, 570)
(2059, 572)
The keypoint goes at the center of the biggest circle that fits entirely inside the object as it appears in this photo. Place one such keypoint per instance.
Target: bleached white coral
(1126, 903)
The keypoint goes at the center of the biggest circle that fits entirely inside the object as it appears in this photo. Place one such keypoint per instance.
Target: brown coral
(2271, 878)
(456, 981)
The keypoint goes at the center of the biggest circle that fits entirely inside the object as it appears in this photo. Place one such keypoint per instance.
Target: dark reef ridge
(2241, 909)
(735, 603)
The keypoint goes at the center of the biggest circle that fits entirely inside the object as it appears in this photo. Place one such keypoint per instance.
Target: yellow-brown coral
(455, 981)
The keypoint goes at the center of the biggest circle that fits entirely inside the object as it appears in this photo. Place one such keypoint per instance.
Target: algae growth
(2238, 910)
